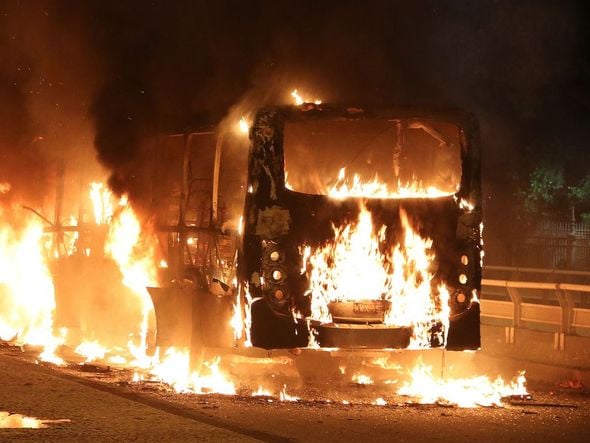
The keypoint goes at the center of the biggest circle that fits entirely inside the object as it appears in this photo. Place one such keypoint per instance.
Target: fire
(18, 421)
(5, 187)
(261, 392)
(286, 397)
(174, 369)
(300, 100)
(135, 258)
(27, 301)
(237, 321)
(354, 268)
(101, 198)
(345, 188)
(241, 319)
(27, 298)
(462, 392)
(243, 125)
(92, 350)
(362, 379)
(465, 205)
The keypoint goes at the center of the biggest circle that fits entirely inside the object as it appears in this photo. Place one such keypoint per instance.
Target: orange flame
(352, 267)
(261, 392)
(27, 298)
(283, 396)
(300, 100)
(5, 187)
(463, 392)
(135, 258)
(101, 198)
(243, 125)
(345, 188)
(92, 350)
(174, 369)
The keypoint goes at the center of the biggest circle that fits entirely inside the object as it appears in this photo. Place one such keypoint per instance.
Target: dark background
(85, 79)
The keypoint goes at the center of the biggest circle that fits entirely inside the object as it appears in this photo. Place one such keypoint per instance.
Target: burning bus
(362, 229)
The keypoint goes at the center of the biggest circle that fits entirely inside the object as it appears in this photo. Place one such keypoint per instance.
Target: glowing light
(286, 397)
(135, 258)
(237, 321)
(300, 100)
(101, 198)
(117, 360)
(91, 350)
(465, 204)
(18, 421)
(362, 379)
(353, 267)
(261, 392)
(27, 298)
(243, 125)
(174, 370)
(345, 188)
(462, 392)
(241, 225)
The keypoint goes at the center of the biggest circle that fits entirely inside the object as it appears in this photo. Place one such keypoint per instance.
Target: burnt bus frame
(278, 219)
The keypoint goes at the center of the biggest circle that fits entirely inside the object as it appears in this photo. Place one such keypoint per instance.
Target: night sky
(91, 78)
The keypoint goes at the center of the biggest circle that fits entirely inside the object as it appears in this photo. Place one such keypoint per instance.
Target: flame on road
(362, 379)
(92, 351)
(424, 387)
(261, 392)
(18, 421)
(174, 369)
(284, 396)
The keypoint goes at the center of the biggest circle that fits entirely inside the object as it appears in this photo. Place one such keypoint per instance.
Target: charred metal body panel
(189, 316)
(277, 219)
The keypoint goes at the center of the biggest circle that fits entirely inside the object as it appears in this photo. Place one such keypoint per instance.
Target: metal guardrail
(564, 315)
(559, 272)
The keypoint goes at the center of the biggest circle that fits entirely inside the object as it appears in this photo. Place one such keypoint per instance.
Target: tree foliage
(549, 194)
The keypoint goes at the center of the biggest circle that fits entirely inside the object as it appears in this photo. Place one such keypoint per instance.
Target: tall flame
(353, 267)
(102, 202)
(135, 258)
(27, 298)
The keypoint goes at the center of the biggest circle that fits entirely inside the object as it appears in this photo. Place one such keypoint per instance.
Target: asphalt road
(103, 407)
